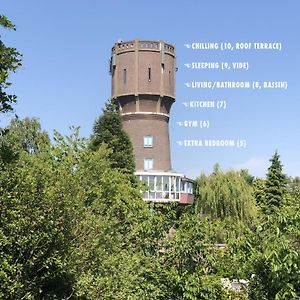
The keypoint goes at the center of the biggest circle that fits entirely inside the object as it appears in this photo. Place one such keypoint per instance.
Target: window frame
(146, 139)
(148, 163)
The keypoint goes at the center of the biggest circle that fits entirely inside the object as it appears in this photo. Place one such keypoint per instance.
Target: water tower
(143, 83)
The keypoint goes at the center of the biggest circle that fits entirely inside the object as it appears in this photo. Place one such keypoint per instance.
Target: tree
(192, 263)
(22, 135)
(107, 252)
(108, 130)
(225, 195)
(248, 177)
(71, 225)
(259, 192)
(10, 61)
(67, 216)
(293, 186)
(276, 184)
(269, 257)
(37, 215)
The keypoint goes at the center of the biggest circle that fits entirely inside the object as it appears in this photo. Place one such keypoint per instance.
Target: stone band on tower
(143, 83)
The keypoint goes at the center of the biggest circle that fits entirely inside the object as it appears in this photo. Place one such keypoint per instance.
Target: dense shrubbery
(75, 227)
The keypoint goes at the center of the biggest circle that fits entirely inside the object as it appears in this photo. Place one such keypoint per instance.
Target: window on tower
(124, 76)
(149, 74)
(148, 163)
(148, 141)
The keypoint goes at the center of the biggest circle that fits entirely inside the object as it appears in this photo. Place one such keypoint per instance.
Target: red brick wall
(145, 103)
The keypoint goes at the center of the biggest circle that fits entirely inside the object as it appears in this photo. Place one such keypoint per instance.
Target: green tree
(108, 254)
(248, 177)
(10, 61)
(276, 184)
(108, 130)
(192, 262)
(71, 225)
(225, 195)
(293, 186)
(269, 257)
(259, 192)
(37, 215)
(22, 135)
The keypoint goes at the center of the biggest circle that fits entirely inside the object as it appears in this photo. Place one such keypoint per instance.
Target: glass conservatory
(166, 187)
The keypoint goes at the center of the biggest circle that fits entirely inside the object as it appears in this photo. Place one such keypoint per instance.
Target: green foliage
(192, 262)
(247, 176)
(22, 135)
(73, 226)
(10, 61)
(293, 187)
(108, 130)
(6, 23)
(105, 255)
(259, 192)
(225, 195)
(35, 229)
(276, 184)
(269, 257)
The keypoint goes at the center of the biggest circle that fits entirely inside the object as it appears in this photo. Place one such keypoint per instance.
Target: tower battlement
(143, 68)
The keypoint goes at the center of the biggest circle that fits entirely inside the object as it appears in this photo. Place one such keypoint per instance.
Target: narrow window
(169, 77)
(149, 74)
(148, 141)
(124, 75)
(148, 163)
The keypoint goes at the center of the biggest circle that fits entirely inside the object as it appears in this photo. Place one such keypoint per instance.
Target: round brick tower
(143, 83)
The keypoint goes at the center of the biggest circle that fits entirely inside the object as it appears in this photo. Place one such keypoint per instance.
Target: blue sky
(64, 79)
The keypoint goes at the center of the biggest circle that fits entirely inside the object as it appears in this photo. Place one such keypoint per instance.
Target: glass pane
(166, 195)
(148, 163)
(144, 179)
(152, 195)
(159, 195)
(166, 183)
(151, 183)
(183, 186)
(177, 185)
(172, 184)
(159, 183)
(148, 141)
